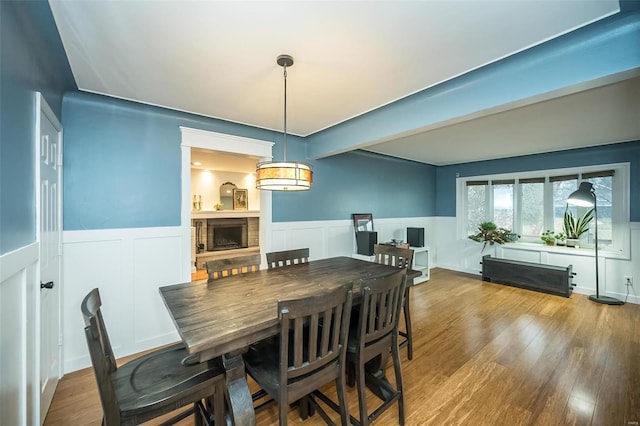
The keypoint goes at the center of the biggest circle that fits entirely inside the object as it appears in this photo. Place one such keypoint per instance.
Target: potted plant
(489, 232)
(548, 238)
(575, 227)
(560, 238)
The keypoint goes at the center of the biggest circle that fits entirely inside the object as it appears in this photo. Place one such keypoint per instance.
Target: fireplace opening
(226, 234)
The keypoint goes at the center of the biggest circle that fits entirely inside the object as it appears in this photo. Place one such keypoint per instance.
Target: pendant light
(284, 175)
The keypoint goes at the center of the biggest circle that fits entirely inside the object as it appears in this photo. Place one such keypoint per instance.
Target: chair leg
(342, 399)
(395, 354)
(283, 410)
(197, 415)
(219, 398)
(407, 320)
(362, 395)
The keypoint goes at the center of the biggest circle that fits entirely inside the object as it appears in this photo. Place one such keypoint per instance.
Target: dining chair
(153, 384)
(232, 266)
(308, 353)
(401, 258)
(277, 259)
(373, 335)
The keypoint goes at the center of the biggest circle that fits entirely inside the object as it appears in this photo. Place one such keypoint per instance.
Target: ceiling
(218, 59)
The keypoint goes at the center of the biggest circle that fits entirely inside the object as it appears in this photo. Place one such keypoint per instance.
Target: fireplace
(227, 234)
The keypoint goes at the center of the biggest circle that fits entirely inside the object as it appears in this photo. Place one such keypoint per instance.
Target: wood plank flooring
(484, 354)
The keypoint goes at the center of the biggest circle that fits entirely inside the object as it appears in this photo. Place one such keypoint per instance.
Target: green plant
(548, 238)
(489, 232)
(573, 227)
(560, 237)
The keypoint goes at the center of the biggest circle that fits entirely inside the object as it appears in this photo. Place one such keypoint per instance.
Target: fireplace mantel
(215, 214)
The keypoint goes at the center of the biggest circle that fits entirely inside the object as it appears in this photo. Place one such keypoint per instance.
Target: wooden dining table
(222, 318)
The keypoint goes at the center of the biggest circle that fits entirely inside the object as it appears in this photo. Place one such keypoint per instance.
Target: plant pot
(550, 243)
(573, 242)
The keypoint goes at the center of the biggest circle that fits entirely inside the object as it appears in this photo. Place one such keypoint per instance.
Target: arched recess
(196, 138)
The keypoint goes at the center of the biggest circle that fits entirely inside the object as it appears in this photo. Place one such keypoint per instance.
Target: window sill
(569, 251)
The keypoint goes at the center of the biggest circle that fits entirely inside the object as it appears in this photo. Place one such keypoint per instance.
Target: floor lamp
(585, 196)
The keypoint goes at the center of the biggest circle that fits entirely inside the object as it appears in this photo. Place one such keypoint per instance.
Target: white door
(50, 209)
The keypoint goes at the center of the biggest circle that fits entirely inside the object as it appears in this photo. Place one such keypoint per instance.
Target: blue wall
(616, 153)
(32, 60)
(123, 159)
(360, 182)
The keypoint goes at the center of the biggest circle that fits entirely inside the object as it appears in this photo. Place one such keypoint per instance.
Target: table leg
(241, 404)
(376, 379)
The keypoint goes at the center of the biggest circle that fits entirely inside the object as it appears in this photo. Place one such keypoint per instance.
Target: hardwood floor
(484, 354)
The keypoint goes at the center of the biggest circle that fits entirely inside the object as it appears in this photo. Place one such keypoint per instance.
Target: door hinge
(60, 339)
(60, 249)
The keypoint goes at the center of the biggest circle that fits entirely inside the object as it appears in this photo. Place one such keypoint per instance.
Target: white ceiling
(217, 58)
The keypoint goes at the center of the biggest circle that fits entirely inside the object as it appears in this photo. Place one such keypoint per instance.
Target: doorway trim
(196, 138)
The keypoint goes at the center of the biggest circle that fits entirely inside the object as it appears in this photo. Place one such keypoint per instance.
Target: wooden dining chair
(235, 265)
(308, 353)
(373, 335)
(277, 259)
(153, 384)
(401, 258)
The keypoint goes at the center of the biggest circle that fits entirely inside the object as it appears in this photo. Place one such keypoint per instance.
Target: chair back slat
(320, 326)
(278, 259)
(221, 268)
(393, 256)
(382, 300)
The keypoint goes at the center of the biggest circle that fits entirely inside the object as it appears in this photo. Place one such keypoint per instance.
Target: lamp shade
(583, 197)
(283, 176)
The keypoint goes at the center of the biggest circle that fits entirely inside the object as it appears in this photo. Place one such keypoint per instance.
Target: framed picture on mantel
(240, 199)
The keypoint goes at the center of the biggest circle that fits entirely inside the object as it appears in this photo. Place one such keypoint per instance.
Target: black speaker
(366, 240)
(415, 237)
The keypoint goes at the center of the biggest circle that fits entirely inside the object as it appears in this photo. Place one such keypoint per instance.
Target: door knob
(46, 285)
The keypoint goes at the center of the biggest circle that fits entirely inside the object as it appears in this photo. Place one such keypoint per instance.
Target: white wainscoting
(19, 340)
(128, 266)
(465, 255)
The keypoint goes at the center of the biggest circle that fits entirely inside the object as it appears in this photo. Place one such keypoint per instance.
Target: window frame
(620, 201)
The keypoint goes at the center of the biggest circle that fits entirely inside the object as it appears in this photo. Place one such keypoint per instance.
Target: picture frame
(362, 222)
(240, 199)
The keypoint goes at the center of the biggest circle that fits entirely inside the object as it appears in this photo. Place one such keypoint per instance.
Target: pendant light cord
(285, 112)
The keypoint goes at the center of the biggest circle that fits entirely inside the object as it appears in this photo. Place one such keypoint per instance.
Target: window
(532, 217)
(531, 202)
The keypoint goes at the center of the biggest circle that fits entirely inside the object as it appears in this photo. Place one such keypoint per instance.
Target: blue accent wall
(123, 159)
(360, 182)
(32, 59)
(604, 154)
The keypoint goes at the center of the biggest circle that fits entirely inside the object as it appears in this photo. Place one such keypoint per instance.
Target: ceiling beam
(582, 58)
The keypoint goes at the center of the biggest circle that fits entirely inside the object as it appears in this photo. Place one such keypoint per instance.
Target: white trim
(196, 138)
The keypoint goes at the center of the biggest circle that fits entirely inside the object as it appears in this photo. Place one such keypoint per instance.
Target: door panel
(50, 258)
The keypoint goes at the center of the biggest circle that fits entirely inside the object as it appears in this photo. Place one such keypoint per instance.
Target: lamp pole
(595, 212)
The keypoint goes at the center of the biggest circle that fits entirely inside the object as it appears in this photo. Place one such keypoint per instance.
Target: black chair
(308, 353)
(373, 336)
(235, 265)
(400, 256)
(153, 384)
(277, 259)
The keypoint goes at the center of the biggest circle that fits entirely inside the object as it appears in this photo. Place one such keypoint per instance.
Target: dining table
(222, 318)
